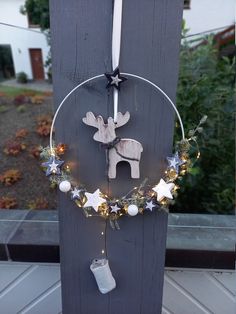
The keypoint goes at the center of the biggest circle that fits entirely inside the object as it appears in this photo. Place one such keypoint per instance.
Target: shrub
(37, 99)
(21, 108)
(20, 100)
(22, 133)
(10, 177)
(8, 202)
(44, 125)
(13, 147)
(38, 203)
(22, 77)
(35, 151)
(206, 86)
(3, 108)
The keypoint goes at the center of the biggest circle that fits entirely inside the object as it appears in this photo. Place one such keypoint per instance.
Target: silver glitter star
(53, 165)
(115, 80)
(115, 208)
(75, 194)
(175, 162)
(150, 205)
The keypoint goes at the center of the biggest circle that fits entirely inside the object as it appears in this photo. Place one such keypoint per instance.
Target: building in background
(21, 50)
(206, 15)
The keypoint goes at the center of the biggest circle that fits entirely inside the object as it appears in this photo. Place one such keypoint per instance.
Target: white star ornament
(94, 200)
(163, 189)
(115, 208)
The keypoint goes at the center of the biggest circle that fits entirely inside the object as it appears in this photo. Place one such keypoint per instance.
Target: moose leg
(113, 160)
(134, 164)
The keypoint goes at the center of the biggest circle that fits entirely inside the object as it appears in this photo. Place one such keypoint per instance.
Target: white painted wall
(20, 40)
(209, 14)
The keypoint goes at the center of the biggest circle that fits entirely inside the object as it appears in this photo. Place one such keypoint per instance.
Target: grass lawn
(14, 91)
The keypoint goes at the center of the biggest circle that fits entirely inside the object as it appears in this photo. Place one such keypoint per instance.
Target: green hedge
(206, 87)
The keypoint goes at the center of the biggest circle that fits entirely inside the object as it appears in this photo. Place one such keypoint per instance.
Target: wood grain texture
(81, 43)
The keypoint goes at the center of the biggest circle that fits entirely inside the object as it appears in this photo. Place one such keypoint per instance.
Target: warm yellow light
(176, 187)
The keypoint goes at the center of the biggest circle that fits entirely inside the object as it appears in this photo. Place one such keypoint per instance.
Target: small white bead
(65, 186)
(132, 210)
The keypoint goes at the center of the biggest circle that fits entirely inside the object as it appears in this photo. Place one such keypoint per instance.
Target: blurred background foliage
(206, 87)
(38, 12)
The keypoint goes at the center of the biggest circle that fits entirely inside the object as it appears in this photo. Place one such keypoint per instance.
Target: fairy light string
(138, 196)
(138, 199)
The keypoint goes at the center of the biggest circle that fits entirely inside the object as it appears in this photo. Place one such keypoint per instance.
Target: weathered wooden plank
(136, 255)
(81, 37)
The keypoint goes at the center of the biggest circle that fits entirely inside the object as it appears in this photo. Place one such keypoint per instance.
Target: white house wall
(205, 15)
(20, 40)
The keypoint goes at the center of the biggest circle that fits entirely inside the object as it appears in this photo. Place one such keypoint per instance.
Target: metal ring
(102, 75)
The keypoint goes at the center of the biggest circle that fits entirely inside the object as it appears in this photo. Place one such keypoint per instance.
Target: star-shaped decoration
(163, 189)
(75, 194)
(115, 79)
(94, 200)
(115, 208)
(175, 162)
(150, 205)
(53, 165)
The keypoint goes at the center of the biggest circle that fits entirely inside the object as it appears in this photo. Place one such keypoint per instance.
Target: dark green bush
(22, 77)
(206, 87)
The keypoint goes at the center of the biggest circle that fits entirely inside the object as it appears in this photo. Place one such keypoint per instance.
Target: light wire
(102, 75)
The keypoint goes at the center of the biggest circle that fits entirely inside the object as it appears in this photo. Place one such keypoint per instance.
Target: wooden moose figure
(117, 149)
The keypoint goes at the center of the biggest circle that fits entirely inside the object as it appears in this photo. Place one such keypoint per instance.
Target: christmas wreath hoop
(139, 199)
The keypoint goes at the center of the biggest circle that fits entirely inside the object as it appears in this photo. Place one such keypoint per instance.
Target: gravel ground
(33, 184)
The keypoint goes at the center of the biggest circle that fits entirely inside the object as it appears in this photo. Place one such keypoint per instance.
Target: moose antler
(91, 120)
(122, 119)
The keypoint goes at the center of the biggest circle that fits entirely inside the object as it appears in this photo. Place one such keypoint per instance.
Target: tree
(206, 87)
(38, 13)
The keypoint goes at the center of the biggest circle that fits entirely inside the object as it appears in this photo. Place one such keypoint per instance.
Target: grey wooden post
(81, 43)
